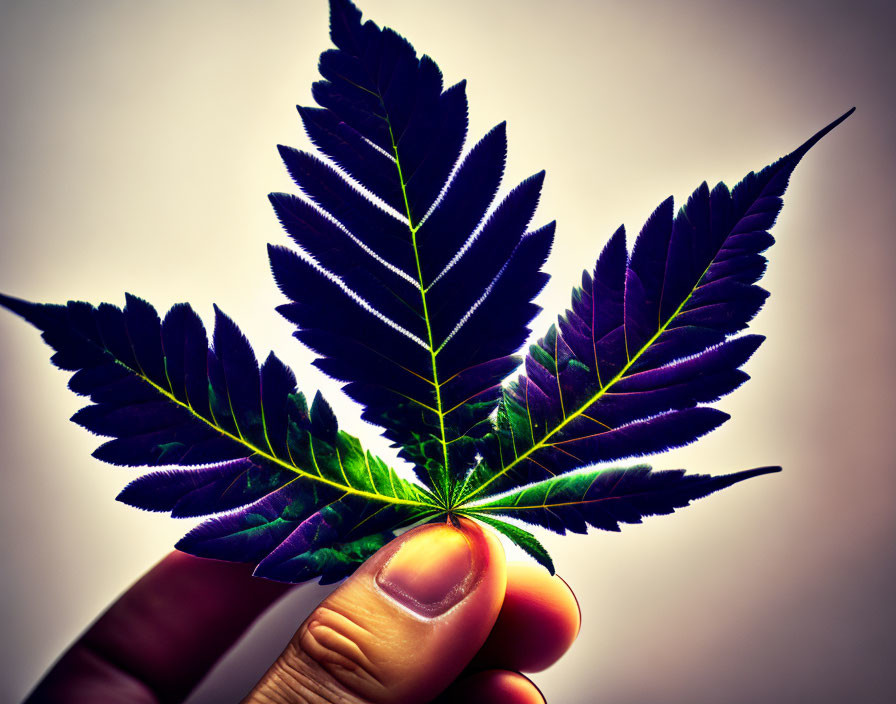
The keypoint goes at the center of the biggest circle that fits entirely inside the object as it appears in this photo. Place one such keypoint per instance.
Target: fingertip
(538, 622)
(578, 606)
(491, 687)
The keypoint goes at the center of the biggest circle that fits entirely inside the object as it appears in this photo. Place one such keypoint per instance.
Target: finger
(160, 638)
(493, 687)
(402, 627)
(538, 623)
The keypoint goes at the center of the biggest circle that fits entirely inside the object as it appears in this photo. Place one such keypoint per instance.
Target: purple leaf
(167, 398)
(646, 340)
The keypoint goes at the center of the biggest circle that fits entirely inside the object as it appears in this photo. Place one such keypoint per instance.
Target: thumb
(401, 628)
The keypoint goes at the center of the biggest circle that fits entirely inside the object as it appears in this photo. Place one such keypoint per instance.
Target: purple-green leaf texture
(413, 282)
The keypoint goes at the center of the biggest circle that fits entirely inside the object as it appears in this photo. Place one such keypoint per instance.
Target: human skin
(435, 614)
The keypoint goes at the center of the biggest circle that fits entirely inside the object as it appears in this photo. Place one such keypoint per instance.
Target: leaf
(605, 498)
(427, 299)
(414, 284)
(253, 447)
(647, 341)
(334, 562)
(520, 537)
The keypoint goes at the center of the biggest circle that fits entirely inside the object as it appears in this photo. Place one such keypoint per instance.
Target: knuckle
(339, 645)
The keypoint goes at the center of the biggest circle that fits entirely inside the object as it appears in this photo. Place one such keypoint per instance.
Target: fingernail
(432, 572)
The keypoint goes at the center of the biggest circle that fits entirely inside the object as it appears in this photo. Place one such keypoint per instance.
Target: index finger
(538, 622)
(160, 637)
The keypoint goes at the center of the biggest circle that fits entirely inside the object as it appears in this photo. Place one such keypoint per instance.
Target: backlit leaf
(648, 339)
(413, 282)
(290, 484)
(605, 498)
(427, 299)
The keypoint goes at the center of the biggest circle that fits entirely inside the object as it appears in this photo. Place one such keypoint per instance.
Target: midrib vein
(439, 410)
(268, 456)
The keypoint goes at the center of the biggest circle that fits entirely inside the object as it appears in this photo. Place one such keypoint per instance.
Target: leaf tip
(759, 471)
(222, 322)
(18, 306)
(323, 420)
(800, 151)
(727, 480)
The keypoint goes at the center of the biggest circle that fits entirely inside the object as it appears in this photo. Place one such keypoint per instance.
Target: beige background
(136, 150)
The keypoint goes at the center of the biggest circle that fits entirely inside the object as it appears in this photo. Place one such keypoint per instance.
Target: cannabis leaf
(648, 339)
(606, 498)
(299, 483)
(414, 285)
(426, 303)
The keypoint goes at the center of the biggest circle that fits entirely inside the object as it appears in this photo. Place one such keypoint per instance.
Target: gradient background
(136, 150)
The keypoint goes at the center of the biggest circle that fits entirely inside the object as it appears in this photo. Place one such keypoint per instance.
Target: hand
(434, 614)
